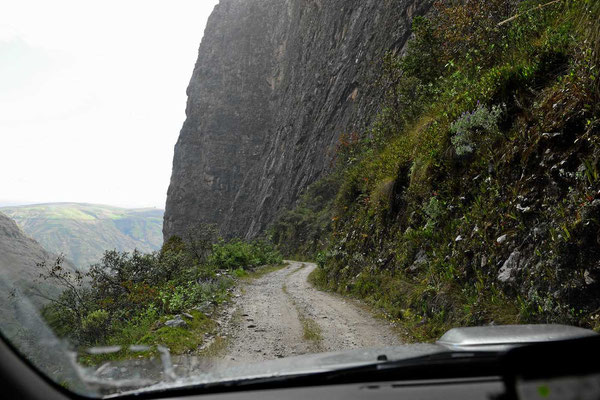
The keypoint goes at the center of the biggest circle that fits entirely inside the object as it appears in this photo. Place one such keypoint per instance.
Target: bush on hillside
(125, 294)
(240, 254)
(298, 233)
(478, 127)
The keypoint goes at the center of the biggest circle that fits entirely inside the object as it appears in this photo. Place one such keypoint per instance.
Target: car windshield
(221, 190)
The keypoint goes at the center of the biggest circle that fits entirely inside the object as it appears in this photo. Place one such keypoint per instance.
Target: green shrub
(240, 273)
(478, 127)
(470, 33)
(434, 211)
(247, 255)
(96, 326)
(124, 289)
(423, 58)
(298, 232)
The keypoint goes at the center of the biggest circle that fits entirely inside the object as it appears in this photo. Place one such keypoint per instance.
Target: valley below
(83, 232)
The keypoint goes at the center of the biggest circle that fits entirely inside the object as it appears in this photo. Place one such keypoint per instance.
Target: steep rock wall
(275, 84)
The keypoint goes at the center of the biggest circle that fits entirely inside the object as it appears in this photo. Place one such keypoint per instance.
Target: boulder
(510, 267)
(176, 322)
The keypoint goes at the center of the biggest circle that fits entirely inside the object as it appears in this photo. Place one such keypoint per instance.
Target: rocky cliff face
(18, 253)
(275, 84)
(19, 256)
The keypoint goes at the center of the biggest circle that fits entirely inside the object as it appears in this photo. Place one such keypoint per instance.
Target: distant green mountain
(83, 232)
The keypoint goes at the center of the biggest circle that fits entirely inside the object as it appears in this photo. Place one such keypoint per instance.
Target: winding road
(282, 315)
(277, 315)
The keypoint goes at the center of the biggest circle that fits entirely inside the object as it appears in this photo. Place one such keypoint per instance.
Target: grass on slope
(151, 334)
(471, 198)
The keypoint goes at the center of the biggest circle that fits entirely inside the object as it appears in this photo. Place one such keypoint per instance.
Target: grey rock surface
(20, 289)
(275, 85)
(176, 322)
(19, 256)
(510, 266)
(188, 316)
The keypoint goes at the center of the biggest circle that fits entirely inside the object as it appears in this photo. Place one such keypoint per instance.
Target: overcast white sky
(92, 97)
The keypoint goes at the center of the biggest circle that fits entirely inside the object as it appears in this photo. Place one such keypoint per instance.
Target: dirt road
(275, 316)
(281, 315)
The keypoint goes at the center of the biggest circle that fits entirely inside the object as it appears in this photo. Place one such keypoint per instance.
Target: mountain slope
(19, 256)
(276, 83)
(475, 198)
(82, 232)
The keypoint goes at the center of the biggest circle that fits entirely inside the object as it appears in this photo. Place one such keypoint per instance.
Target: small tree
(69, 282)
(200, 239)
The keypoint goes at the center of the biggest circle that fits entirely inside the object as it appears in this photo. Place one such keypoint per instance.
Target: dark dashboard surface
(486, 388)
(567, 369)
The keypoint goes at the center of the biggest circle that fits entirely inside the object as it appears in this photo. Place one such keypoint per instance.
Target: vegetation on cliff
(474, 198)
(165, 298)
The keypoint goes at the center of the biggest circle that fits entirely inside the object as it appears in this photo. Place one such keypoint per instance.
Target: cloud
(92, 97)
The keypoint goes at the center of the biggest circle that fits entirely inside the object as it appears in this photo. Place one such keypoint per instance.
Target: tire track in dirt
(272, 314)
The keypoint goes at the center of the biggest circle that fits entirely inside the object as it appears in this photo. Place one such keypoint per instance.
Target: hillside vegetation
(83, 232)
(474, 197)
(165, 298)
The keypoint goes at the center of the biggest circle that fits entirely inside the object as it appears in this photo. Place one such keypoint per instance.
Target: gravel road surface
(282, 315)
